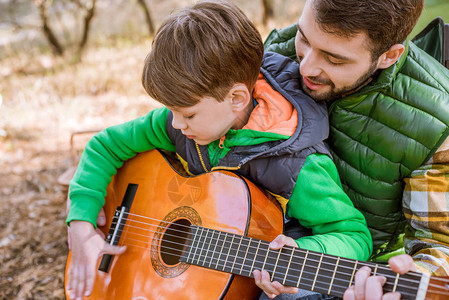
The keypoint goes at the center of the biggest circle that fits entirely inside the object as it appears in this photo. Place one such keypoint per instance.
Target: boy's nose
(177, 123)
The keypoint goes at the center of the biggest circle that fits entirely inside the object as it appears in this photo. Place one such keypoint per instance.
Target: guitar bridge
(117, 225)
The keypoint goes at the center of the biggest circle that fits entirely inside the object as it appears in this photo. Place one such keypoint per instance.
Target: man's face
(330, 65)
(205, 121)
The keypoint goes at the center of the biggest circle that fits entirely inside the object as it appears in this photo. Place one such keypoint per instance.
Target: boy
(227, 106)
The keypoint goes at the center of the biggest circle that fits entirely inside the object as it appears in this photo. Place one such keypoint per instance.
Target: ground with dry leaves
(45, 100)
(38, 116)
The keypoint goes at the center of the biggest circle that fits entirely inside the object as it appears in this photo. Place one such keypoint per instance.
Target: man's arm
(426, 207)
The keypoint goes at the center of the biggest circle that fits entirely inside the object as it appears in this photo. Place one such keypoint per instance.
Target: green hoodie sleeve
(319, 202)
(105, 153)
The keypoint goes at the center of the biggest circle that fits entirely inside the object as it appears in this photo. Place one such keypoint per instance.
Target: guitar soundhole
(169, 240)
(174, 241)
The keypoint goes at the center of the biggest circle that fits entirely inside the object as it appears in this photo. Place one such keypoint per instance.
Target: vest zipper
(222, 139)
(201, 157)
(225, 168)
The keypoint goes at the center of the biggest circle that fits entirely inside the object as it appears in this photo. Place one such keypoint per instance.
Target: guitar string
(372, 265)
(188, 227)
(251, 247)
(291, 282)
(213, 239)
(403, 280)
(435, 289)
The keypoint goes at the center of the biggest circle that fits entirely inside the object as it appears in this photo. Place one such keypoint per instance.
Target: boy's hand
(370, 287)
(87, 247)
(101, 221)
(273, 289)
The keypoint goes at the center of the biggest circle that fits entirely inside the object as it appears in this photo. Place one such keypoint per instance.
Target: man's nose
(309, 66)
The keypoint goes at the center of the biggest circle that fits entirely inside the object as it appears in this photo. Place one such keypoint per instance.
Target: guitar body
(165, 201)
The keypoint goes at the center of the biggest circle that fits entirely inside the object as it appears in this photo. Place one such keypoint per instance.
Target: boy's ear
(240, 96)
(390, 56)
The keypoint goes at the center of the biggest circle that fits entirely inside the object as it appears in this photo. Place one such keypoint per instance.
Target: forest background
(69, 67)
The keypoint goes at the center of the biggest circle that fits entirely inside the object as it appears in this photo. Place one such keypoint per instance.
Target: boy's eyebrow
(183, 110)
(335, 55)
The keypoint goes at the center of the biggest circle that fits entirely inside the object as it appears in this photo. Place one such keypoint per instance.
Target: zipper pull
(220, 144)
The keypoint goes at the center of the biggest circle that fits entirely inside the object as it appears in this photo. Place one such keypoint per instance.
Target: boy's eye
(189, 116)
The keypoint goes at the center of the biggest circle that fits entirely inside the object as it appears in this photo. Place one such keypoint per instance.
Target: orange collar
(273, 113)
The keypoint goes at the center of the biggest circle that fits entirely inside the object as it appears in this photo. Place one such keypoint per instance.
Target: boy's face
(206, 121)
(331, 65)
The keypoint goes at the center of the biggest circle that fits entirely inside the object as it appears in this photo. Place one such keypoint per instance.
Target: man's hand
(370, 287)
(262, 278)
(87, 247)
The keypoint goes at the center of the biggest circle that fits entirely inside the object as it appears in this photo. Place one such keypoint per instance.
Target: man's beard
(337, 93)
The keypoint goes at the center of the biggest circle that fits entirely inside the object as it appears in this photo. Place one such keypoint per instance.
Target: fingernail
(273, 245)
(367, 269)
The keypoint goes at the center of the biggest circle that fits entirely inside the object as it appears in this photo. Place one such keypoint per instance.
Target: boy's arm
(319, 202)
(426, 207)
(105, 153)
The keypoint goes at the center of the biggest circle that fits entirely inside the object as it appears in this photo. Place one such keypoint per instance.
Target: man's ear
(239, 96)
(390, 56)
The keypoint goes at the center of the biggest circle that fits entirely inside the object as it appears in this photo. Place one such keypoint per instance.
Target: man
(389, 115)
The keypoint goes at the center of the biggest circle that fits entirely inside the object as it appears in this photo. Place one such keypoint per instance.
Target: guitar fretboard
(309, 270)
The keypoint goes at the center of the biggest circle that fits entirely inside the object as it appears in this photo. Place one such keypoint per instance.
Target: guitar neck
(309, 270)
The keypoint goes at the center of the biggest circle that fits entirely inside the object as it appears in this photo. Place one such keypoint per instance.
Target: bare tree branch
(47, 30)
(148, 18)
(86, 26)
(268, 11)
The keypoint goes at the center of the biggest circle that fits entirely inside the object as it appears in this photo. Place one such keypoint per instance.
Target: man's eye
(334, 62)
(304, 41)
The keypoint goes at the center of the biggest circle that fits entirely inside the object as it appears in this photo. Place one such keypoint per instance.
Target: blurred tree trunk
(47, 30)
(90, 12)
(148, 18)
(268, 11)
(58, 48)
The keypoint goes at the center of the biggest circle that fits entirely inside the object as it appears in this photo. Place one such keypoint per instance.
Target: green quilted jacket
(383, 132)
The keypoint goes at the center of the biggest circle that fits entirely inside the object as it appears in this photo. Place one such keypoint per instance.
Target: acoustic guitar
(201, 237)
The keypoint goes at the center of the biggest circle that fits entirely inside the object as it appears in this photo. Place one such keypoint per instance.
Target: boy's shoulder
(281, 72)
(277, 63)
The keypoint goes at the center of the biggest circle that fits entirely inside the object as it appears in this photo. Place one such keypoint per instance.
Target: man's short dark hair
(386, 22)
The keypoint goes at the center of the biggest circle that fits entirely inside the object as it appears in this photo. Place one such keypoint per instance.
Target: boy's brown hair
(201, 51)
(386, 22)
